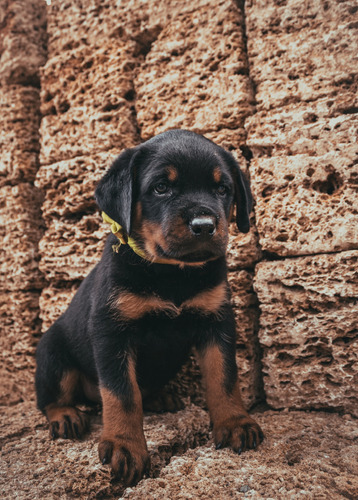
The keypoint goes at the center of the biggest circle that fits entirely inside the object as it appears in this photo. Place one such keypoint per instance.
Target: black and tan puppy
(146, 304)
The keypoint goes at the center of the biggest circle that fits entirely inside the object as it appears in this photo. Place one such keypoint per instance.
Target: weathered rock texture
(303, 62)
(69, 469)
(308, 331)
(304, 175)
(22, 52)
(304, 455)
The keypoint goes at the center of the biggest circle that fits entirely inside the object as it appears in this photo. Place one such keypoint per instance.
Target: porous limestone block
(21, 228)
(19, 135)
(306, 204)
(69, 185)
(22, 41)
(87, 102)
(70, 248)
(314, 128)
(72, 22)
(245, 306)
(20, 328)
(301, 52)
(243, 249)
(196, 75)
(308, 331)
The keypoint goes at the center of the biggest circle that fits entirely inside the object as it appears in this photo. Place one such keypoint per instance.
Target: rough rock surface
(199, 56)
(308, 455)
(304, 134)
(34, 466)
(307, 204)
(22, 41)
(22, 52)
(303, 456)
(20, 329)
(75, 113)
(19, 136)
(308, 331)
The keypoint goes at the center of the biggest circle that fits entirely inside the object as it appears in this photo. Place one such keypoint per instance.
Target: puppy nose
(204, 226)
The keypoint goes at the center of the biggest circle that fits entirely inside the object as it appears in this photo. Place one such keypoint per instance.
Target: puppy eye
(221, 189)
(161, 188)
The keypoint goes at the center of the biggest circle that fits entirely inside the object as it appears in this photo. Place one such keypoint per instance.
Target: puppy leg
(122, 443)
(58, 386)
(232, 425)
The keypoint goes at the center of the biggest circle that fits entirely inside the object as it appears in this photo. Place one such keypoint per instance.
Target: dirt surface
(304, 455)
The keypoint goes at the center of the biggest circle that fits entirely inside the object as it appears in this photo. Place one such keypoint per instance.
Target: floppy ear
(243, 196)
(115, 191)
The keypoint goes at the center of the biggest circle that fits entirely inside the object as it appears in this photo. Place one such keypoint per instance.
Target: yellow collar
(124, 239)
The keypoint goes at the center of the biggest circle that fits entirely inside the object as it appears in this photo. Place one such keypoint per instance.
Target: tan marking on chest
(133, 306)
(209, 301)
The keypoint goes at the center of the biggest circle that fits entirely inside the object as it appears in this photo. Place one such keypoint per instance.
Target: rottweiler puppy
(155, 294)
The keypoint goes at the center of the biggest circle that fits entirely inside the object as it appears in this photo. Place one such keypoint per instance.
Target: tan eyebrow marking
(217, 174)
(172, 173)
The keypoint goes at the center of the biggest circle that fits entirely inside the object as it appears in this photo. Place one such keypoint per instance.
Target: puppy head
(173, 195)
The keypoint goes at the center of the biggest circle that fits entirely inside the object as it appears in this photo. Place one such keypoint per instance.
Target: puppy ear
(243, 196)
(115, 192)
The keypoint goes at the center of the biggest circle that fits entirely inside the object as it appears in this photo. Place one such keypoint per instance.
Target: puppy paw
(67, 422)
(239, 432)
(129, 460)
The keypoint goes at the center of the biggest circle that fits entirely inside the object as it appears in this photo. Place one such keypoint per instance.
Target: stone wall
(275, 83)
(22, 52)
(304, 174)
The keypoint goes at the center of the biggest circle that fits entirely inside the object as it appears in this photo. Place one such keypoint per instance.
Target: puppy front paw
(241, 433)
(128, 459)
(66, 422)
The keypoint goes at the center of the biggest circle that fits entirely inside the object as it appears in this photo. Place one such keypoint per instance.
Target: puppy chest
(129, 306)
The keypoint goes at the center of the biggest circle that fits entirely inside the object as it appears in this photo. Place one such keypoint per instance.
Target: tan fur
(119, 423)
(172, 173)
(208, 301)
(152, 235)
(217, 174)
(221, 405)
(137, 215)
(132, 306)
(68, 386)
(90, 390)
